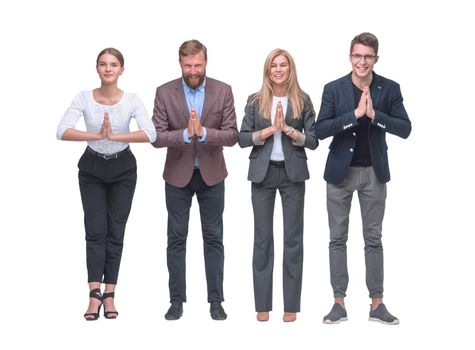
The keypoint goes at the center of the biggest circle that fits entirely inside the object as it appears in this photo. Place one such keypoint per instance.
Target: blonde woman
(278, 124)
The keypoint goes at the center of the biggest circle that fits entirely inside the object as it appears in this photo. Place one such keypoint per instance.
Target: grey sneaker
(381, 314)
(337, 314)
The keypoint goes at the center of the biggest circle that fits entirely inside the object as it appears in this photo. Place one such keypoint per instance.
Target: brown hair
(111, 51)
(366, 39)
(192, 47)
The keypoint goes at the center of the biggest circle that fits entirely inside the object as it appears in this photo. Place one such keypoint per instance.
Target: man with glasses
(358, 110)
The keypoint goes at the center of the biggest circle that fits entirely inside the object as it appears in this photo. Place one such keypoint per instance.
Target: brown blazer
(170, 117)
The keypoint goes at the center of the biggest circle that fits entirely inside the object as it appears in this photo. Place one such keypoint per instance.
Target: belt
(277, 163)
(108, 156)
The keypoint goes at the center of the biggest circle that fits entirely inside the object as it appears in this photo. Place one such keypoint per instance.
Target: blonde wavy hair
(295, 94)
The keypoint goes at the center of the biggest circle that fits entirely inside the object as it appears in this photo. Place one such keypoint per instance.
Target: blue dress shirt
(195, 98)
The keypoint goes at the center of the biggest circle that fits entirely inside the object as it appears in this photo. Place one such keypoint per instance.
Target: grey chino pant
(372, 198)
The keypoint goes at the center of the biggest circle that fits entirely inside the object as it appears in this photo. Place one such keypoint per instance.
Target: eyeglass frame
(367, 58)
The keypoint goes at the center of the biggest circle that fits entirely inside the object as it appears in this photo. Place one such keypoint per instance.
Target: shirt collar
(200, 88)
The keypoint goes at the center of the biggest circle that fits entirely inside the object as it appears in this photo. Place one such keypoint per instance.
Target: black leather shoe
(174, 312)
(217, 311)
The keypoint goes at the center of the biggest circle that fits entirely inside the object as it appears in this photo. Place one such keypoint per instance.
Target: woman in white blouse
(107, 173)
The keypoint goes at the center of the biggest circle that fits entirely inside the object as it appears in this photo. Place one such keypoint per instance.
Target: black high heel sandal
(109, 314)
(95, 293)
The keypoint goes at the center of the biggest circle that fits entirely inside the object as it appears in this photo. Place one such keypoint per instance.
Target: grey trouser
(372, 197)
(263, 199)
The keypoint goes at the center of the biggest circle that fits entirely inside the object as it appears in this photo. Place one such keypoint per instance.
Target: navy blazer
(337, 118)
(294, 156)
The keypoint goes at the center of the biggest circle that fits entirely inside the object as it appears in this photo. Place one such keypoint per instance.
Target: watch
(289, 130)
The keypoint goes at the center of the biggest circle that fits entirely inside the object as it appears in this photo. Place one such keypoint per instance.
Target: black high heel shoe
(109, 314)
(95, 293)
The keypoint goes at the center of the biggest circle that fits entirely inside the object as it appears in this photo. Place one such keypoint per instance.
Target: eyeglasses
(367, 58)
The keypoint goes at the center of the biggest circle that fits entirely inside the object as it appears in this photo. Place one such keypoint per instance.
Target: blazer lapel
(376, 89)
(209, 99)
(288, 113)
(348, 91)
(181, 99)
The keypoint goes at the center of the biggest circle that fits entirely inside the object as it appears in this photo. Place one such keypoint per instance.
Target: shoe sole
(172, 318)
(335, 322)
(393, 323)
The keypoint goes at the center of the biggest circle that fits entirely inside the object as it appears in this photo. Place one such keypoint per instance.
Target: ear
(376, 60)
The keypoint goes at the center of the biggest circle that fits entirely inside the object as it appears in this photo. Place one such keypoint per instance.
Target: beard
(193, 81)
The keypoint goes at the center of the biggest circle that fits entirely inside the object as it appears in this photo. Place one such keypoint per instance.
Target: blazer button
(351, 149)
(354, 134)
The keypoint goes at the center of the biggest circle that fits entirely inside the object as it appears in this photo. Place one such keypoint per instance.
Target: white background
(48, 52)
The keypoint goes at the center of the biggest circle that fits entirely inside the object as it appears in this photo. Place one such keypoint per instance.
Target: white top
(130, 106)
(277, 152)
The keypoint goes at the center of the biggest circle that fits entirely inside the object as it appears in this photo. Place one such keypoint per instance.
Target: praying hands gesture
(279, 120)
(279, 124)
(194, 125)
(106, 129)
(365, 106)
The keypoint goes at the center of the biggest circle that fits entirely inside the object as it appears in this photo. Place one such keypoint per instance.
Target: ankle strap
(108, 295)
(96, 293)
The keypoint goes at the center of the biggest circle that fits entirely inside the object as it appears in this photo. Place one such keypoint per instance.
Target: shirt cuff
(202, 138)
(256, 138)
(300, 141)
(186, 139)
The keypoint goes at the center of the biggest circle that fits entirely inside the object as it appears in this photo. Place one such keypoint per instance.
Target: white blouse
(130, 106)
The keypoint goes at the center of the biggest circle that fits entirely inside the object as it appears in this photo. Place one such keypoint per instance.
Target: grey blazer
(295, 157)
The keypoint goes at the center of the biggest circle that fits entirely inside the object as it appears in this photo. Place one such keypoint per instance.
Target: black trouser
(107, 188)
(211, 202)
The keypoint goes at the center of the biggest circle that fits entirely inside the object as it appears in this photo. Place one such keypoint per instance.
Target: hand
(105, 126)
(360, 111)
(370, 113)
(197, 124)
(191, 124)
(108, 127)
(279, 118)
